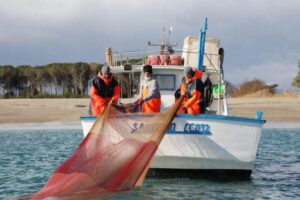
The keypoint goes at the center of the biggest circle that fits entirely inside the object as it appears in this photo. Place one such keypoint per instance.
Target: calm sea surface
(28, 158)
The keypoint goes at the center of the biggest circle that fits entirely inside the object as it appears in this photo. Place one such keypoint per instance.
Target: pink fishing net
(114, 156)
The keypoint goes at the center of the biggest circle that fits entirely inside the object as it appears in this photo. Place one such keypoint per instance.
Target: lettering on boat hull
(189, 128)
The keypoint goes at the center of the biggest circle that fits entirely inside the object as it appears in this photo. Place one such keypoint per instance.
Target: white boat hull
(205, 142)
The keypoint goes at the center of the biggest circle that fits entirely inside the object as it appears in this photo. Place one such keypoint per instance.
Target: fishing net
(114, 156)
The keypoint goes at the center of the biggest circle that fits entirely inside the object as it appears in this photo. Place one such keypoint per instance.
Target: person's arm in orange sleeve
(94, 95)
(195, 97)
(116, 93)
(198, 74)
(182, 89)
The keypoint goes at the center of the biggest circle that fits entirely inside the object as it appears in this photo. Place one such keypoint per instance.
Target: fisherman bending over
(104, 88)
(149, 92)
(191, 88)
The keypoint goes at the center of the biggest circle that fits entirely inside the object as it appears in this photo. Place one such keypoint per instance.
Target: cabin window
(129, 83)
(165, 81)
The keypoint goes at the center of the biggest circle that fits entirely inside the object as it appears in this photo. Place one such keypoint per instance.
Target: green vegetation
(252, 87)
(296, 81)
(49, 81)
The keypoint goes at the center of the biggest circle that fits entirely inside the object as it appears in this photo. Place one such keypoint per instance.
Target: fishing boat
(213, 143)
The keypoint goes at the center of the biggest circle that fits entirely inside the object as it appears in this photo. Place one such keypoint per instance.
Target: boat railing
(138, 57)
(144, 57)
(131, 57)
(211, 60)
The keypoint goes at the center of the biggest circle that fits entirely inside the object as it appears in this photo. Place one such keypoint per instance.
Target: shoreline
(77, 125)
(68, 111)
(42, 126)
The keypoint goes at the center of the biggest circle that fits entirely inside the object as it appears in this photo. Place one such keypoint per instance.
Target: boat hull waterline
(207, 143)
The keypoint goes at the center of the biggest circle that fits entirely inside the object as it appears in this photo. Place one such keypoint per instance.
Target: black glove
(188, 95)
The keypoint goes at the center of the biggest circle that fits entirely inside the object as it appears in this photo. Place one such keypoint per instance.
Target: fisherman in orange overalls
(150, 96)
(190, 88)
(104, 88)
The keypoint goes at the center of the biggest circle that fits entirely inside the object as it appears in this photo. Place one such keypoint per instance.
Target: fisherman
(149, 99)
(191, 88)
(104, 89)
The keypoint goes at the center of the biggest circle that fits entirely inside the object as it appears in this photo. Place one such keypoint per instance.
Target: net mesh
(114, 156)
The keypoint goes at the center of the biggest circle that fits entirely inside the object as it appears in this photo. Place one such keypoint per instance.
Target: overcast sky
(261, 38)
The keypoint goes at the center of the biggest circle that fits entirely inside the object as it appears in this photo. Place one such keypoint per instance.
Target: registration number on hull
(188, 128)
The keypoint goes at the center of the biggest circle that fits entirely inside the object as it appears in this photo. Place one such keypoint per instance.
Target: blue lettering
(198, 128)
(206, 129)
(192, 128)
(195, 129)
(136, 126)
(189, 128)
(186, 127)
(172, 127)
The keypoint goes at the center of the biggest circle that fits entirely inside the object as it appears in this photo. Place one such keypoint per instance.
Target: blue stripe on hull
(201, 117)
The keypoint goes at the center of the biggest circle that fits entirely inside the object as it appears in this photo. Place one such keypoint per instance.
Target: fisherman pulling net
(114, 156)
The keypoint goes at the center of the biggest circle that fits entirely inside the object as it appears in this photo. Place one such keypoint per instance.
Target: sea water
(29, 157)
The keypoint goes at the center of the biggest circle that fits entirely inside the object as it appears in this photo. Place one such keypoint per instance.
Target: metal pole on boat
(201, 45)
(162, 45)
(219, 93)
(225, 106)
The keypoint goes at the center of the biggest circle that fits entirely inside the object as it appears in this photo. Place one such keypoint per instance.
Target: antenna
(163, 36)
(170, 31)
(165, 46)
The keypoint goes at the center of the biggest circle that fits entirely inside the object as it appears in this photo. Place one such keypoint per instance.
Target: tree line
(71, 80)
(55, 79)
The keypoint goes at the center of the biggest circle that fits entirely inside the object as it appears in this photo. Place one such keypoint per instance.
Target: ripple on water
(28, 158)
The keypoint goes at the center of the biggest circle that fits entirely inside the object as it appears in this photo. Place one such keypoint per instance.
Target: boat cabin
(168, 70)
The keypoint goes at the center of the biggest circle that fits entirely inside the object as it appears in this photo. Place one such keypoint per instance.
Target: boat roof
(137, 68)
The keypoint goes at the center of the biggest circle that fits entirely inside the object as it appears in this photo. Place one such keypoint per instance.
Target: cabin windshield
(129, 83)
(166, 81)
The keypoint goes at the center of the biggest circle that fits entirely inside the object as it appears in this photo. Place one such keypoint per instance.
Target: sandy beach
(69, 110)
(284, 109)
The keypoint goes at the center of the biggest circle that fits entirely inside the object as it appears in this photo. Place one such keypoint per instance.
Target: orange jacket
(101, 92)
(150, 96)
(191, 87)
